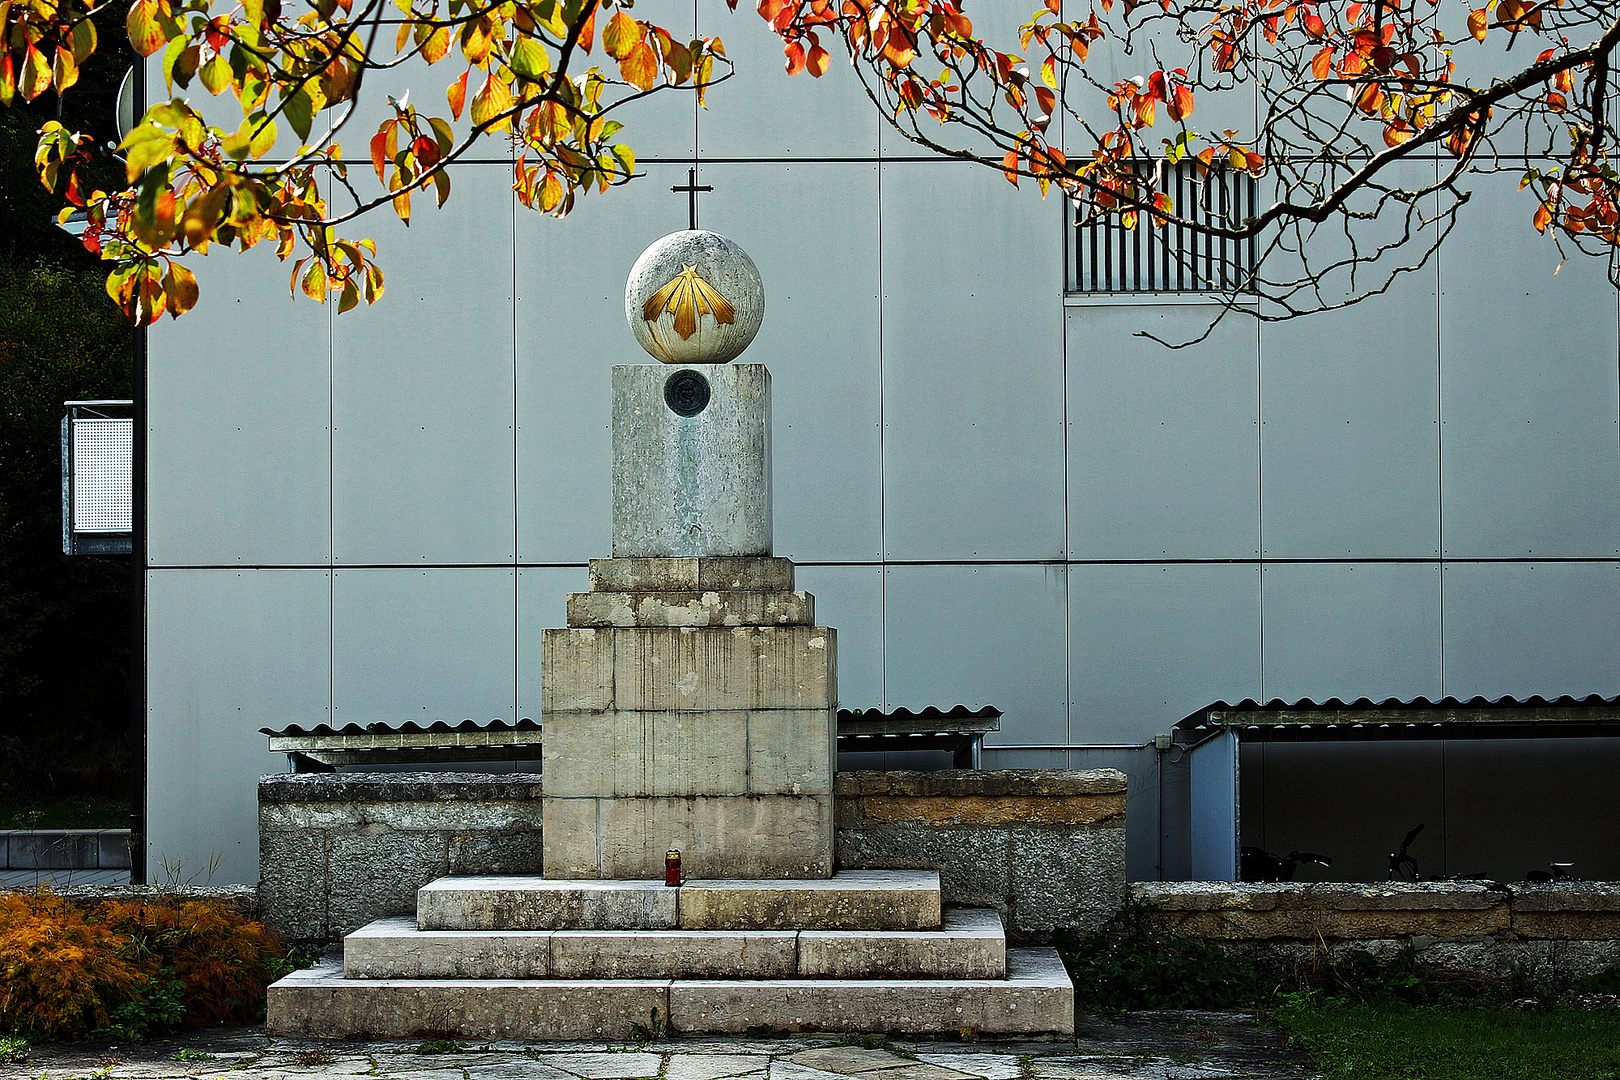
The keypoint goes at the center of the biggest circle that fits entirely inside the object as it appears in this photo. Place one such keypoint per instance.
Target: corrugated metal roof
(407, 727)
(1474, 714)
(928, 715)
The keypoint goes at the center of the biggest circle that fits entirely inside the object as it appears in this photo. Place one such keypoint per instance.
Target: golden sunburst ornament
(688, 296)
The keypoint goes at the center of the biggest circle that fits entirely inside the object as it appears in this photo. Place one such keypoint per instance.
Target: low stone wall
(1044, 847)
(337, 850)
(64, 849)
(1559, 932)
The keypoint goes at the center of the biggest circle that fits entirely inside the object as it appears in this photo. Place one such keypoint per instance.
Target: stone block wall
(1044, 847)
(339, 850)
(1471, 929)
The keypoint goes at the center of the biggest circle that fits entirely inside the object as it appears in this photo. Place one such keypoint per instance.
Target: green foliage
(13, 1050)
(1350, 1041)
(127, 969)
(1130, 965)
(1364, 978)
(1604, 982)
(64, 621)
(441, 1046)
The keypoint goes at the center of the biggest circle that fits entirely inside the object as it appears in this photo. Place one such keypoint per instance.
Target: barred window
(1106, 257)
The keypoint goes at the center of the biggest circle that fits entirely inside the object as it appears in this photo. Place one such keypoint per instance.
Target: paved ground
(1141, 1046)
(61, 878)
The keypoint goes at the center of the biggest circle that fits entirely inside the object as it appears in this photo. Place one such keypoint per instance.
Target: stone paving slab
(1138, 1046)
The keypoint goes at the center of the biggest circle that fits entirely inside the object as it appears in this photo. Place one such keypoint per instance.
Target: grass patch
(1418, 1042)
(80, 813)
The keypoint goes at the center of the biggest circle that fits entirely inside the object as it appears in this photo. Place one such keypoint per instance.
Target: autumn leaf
(1180, 105)
(456, 93)
(1322, 64)
(817, 61)
(492, 99)
(1476, 24)
(640, 68)
(179, 290)
(145, 26)
(621, 35)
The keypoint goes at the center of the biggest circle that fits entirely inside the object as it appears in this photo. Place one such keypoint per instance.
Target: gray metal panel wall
(423, 388)
(1529, 404)
(239, 443)
(229, 652)
(973, 456)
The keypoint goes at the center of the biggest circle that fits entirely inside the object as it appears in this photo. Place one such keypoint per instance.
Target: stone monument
(690, 702)
(688, 705)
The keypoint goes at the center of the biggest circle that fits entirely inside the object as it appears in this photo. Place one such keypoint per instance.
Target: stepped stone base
(1036, 999)
(970, 945)
(853, 900)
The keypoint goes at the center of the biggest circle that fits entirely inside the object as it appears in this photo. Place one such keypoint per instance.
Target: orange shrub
(61, 973)
(222, 957)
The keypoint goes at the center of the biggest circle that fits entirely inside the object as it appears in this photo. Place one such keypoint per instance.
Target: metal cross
(692, 188)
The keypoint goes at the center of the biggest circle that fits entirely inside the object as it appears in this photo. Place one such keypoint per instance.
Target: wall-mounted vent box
(97, 444)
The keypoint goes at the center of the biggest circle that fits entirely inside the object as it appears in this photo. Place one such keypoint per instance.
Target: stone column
(690, 703)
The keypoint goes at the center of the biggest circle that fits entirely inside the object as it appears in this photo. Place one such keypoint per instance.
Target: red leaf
(1322, 64)
(1181, 104)
(818, 61)
(794, 51)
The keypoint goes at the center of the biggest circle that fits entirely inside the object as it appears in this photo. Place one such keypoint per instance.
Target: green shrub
(1130, 965)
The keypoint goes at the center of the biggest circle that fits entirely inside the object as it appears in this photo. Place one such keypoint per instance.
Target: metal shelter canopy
(1449, 718)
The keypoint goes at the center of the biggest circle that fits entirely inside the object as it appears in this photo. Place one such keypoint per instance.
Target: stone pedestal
(690, 703)
(691, 460)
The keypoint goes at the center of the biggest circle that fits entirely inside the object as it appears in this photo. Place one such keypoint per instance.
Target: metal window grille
(96, 466)
(1106, 257)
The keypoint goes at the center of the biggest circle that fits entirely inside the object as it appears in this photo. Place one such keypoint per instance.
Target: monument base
(689, 705)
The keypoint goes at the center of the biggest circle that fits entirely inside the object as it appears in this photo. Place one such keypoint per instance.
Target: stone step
(970, 945)
(851, 900)
(691, 609)
(1036, 999)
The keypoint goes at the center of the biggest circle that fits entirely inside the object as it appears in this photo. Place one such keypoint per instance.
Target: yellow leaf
(215, 75)
(492, 99)
(146, 34)
(1476, 24)
(314, 282)
(622, 35)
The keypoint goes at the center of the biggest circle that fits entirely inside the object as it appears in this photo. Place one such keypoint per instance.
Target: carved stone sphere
(694, 297)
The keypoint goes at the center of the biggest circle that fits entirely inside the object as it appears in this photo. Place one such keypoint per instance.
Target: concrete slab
(715, 1066)
(320, 1001)
(969, 945)
(1036, 1000)
(395, 949)
(684, 574)
(691, 608)
(532, 903)
(679, 954)
(852, 900)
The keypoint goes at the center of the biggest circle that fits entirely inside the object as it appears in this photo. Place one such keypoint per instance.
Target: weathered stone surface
(791, 751)
(1567, 925)
(294, 880)
(576, 670)
(641, 753)
(763, 836)
(1036, 1000)
(982, 783)
(568, 838)
(995, 810)
(969, 945)
(1567, 896)
(865, 899)
(972, 863)
(395, 949)
(692, 575)
(1229, 911)
(397, 787)
(320, 1002)
(1070, 879)
(692, 668)
(692, 485)
(679, 954)
(377, 873)
(516, 852)
(713, 608)
(531, 903)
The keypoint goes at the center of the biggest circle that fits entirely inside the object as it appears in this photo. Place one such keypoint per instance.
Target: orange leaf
(587, 33)
(1180, 105)
(1009, 166)
(794, 51)
(1313, 25)
(818, 61)
(1476, 24)
(640, 68)
(620, 35)
(1556, 101)
(1543, 218)
(457, 94)
(1322, 64)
